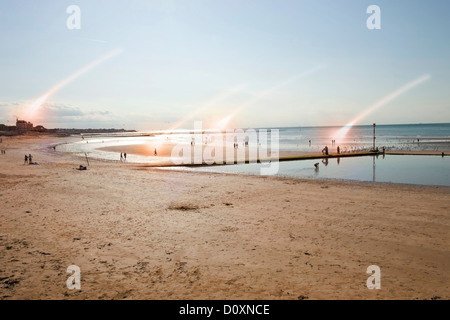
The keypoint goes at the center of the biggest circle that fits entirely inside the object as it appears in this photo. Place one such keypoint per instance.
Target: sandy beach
(138, 232)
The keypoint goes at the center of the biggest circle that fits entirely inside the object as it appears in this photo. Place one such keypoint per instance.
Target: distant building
(23, 126)
(40, 129)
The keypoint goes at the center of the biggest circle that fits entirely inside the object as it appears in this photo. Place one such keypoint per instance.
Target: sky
(163, 64)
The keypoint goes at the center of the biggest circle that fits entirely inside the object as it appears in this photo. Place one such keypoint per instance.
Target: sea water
(430, 170)
(406, 169)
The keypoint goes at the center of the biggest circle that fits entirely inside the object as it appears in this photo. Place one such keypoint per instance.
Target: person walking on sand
(125, 156)
(156, 152)
(121, 156)
(30, 159)
(26, 160)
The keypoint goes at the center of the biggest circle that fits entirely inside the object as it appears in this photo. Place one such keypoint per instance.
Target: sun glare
(223, 123)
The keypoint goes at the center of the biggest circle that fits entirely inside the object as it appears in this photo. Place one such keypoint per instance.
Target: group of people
(28, 159)
(325, 150)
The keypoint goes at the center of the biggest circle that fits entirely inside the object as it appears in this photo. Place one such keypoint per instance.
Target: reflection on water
(421, 170)
(425, 170)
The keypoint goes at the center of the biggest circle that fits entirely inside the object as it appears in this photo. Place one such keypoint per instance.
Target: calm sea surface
(428, 170)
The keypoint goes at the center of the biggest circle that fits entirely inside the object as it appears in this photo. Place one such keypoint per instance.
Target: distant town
(24, 127)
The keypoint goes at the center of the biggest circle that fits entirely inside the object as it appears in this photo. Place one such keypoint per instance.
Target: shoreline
(147, 233)
(141, 150)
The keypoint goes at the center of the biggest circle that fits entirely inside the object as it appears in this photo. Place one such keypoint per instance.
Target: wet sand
(146, 233)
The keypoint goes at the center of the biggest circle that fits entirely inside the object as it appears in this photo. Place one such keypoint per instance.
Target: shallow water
(422, 170)
(419, 137)
(410, 169)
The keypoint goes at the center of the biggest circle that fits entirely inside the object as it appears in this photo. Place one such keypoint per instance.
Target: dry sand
(146, 233)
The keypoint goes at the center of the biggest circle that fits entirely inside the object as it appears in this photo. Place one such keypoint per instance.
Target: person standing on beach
(125, 156)
(338, 150)
(30, 159)
(121, 157)
(156, 152)
(26, 160)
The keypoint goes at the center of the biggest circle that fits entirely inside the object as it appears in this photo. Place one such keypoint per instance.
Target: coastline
(143, 233)
(164, 150)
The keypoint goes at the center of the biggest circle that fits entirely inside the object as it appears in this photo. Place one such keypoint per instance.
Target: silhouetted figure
(26, 160)
(156, 152)
(325, 151)
(338, 150)
(125, 156)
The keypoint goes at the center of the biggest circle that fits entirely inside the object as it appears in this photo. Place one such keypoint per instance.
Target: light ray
(226, 94)
(402, 90)
(36, 104)
(274, 89)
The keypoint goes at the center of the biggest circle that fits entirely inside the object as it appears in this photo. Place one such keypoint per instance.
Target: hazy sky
(148, 64)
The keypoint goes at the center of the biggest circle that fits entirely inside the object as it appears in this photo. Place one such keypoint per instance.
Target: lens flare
(36, 104)
(210, 104)
(407, 87)
(275, 88)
